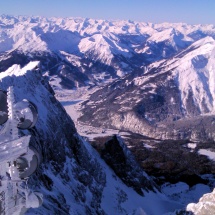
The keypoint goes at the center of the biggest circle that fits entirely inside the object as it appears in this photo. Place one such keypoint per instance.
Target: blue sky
(156, 11)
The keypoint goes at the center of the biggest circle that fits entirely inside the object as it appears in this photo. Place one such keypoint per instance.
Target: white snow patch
(191, 145)
(148, 146)
(207, 152)
(120, 73)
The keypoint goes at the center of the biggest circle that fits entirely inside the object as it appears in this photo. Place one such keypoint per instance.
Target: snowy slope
(166, 42)
(98, 47)
(195, 74)
(192, 69)
(101, 47)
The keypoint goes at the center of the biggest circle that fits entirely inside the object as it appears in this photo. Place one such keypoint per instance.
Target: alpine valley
(126, 112)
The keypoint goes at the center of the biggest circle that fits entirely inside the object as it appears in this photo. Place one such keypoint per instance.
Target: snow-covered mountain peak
(171, 37)
(201, 47)
(114, 26)
(194, 75)
(161, 36)
(203, 41)
(98, 46)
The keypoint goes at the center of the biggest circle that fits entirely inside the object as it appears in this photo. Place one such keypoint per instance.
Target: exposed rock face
(120, 159)
(167, 160)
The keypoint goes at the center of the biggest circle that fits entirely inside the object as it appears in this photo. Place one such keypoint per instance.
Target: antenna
(18, 160)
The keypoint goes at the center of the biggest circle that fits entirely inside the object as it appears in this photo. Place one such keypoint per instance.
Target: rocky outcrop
(120, 159)
(205, 206)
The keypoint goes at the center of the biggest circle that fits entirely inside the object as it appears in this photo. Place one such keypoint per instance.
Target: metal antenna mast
(17, 159)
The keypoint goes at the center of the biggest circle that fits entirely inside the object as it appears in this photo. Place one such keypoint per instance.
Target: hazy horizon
(155, 11)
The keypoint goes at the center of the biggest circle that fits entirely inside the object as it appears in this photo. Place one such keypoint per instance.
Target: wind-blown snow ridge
(18, 71)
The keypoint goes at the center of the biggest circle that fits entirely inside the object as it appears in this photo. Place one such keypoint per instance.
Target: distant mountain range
(86, 51)
(152, 80)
